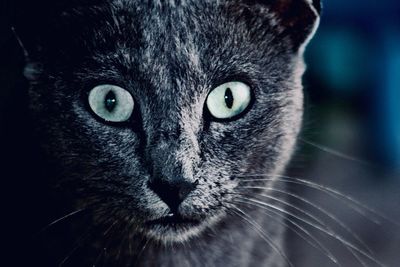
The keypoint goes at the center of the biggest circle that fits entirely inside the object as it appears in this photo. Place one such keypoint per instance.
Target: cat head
(155, 111)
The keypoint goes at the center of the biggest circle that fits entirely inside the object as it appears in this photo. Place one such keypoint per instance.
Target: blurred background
(354, 64)
(351, 137)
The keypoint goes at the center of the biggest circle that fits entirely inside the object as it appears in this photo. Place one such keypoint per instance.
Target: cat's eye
(229, 100)
(111, 103)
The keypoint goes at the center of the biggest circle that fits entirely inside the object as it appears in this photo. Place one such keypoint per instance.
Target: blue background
(354, 62)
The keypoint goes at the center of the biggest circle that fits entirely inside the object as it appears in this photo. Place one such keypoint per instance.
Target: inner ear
(297, 18)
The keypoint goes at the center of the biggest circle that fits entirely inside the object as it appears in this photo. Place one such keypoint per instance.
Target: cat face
(155, 111)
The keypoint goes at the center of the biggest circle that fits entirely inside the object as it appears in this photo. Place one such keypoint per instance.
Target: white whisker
(335, 152)
(304, 212)
(263, 235)
(316, 244)
(323, 211)
(332, 234)
(351, 202)
(60, 219)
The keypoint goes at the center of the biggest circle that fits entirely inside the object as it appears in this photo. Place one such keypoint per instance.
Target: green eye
(228, 100)
(111, 103)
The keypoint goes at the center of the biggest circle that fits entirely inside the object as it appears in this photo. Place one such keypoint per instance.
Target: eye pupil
(229, 98)
(110, 101)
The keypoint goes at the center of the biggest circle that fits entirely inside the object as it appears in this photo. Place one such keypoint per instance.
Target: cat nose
(172, 192)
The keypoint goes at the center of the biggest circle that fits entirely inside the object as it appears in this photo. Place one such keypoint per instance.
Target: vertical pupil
(110, 101)
(228, 98)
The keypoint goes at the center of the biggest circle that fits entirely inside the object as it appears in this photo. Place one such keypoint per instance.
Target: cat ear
(297, 19)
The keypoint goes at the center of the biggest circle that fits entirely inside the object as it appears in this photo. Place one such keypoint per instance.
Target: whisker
(20, 43)
(322, 248)
(304, 212)
(126, 235)
(89, 233)
(262, 233)
(335, 152)
(334, 235)
(106, 243)
(94, 206)
(98, 257)
(323, 211)
(316, 244)
(121, 245)
(59, 220)
(77, 245)
(141, 252)
(351, 202)
(109, 228)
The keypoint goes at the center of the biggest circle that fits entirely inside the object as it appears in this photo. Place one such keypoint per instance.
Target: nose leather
(172, 191)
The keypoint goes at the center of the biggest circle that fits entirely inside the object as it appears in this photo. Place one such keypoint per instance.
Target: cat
(156, 118)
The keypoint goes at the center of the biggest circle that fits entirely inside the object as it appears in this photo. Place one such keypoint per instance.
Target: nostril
(185, 189)
(172, 192)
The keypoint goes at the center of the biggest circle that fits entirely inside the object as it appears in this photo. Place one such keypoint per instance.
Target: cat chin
(178, 234)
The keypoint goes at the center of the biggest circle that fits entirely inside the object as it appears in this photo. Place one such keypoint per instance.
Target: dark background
(352, 114)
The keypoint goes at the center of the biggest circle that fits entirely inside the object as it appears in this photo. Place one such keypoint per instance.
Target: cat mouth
(174, 221)
(175, 228)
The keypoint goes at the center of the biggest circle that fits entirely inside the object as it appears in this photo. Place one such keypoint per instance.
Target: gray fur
(169, 55)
